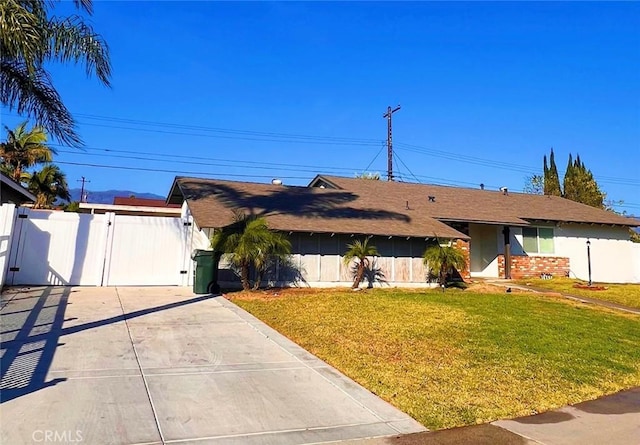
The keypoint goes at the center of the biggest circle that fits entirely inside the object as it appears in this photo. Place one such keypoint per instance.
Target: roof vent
(432, 199)
(276, 181)
(504, 190)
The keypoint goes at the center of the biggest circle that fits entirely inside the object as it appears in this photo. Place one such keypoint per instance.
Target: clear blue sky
(486, 89)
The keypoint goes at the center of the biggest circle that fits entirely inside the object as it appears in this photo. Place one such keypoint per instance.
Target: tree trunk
(259, 275)
(17, 173)
(359, 275)
(442, 279)
(244, 275)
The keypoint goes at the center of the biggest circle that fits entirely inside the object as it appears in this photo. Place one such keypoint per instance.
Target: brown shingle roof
(463, 204)
(304, 209)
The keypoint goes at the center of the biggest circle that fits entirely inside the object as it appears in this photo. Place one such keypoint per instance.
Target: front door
(484, 250)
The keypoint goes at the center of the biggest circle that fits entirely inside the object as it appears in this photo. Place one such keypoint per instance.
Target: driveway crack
(144, 378)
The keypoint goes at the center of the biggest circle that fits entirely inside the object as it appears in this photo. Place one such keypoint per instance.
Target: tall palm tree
(32, 37)
(360, 251)
(48, 185)
(249, 242)
(23, 149)
(441, 259)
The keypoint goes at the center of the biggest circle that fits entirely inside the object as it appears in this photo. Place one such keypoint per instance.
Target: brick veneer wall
(523, 266)
(464, 246)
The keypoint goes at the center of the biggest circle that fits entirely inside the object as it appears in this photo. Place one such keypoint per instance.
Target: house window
(537, 239)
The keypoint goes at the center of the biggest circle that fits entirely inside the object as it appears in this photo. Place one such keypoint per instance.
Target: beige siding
(318, 259)
(329, 258)
(310, 260)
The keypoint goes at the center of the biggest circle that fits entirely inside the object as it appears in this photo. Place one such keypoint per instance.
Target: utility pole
(83, 180)
(389, 142)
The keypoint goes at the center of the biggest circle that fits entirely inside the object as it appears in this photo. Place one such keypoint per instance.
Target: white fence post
(7, 220)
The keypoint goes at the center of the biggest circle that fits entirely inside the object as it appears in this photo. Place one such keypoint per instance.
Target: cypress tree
(581, 186)
(570, 178)
(551, 178)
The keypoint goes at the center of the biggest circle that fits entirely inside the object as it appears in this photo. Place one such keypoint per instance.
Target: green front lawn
(460, 358)
(625, 294)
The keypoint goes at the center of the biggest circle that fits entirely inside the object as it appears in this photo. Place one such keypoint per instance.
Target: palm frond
(359, 249)
(87, 5)
(72, 40)
(48, 185)
(35, 95)
(29, 38)
(249, 241)
(440, 259)
(21, 32)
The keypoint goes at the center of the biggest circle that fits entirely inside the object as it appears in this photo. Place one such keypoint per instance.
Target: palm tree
(360, 251)
(441, 259)
(48, 185)
(24, 149)
(250, 242)
(32, 37)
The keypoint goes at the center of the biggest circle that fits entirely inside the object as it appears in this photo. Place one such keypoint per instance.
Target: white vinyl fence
(636, 262)
(7, 217)
(59, 248)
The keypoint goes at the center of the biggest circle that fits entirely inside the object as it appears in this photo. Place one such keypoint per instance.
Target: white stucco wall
(614, 259)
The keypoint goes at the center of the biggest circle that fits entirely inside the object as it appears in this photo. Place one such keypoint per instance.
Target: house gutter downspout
(507, 252)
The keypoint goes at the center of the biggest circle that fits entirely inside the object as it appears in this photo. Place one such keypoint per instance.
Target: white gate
(146, 250)
(58, 248)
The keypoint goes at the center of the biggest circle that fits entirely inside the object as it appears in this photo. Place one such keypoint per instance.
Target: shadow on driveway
(32, 327)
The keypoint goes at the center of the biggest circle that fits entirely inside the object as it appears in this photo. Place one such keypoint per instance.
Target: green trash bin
(204, 272)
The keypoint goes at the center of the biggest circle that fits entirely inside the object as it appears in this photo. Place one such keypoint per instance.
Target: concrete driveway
(161, 366)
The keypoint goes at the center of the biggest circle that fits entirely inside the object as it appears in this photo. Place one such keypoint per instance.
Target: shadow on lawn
(32, 327)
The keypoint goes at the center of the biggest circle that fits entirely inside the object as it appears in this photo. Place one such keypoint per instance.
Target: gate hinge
(23, 215)
(187, 224)
(14, 269)
(183, 272)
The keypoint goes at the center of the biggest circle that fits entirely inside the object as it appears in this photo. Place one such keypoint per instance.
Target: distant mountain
(106, 197)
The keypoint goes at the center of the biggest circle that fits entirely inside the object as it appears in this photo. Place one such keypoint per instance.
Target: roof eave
(175, 195)
(18, 188)
(323, 178)
(521, 223)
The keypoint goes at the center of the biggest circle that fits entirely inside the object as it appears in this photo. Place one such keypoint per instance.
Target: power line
(407, 167)
(149, 156)
(436, 181)
(255, 139)
(329, 140)
(172, 158)
(235, 134)
(374, 158)
(272, 166)
(181, 172)
(503, 165)
(223, 130)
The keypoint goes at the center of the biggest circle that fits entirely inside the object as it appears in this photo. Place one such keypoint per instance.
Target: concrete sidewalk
(162, 366)
(613, 419)
(581, 299)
